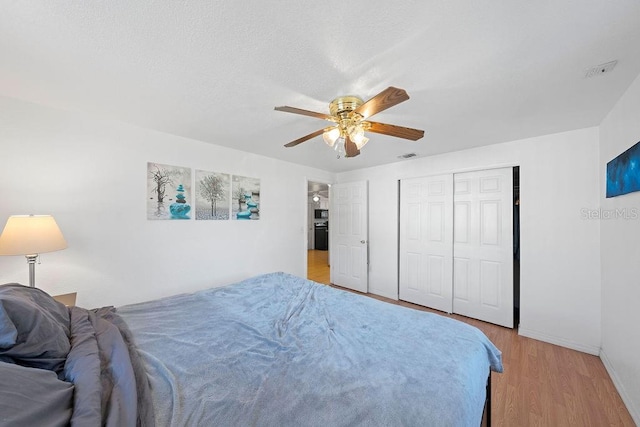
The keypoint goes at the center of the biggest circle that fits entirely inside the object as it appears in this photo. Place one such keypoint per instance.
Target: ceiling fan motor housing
(342, 107)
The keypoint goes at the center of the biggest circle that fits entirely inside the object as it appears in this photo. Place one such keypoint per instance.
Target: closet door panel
(426, 241)
(461, 278)
(483, 235)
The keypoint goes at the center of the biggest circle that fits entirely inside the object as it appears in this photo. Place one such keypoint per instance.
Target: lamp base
(31, 259)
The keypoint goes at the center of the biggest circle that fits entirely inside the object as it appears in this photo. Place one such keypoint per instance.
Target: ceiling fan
(350, 114)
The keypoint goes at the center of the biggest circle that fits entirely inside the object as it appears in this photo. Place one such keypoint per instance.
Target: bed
(273, 350)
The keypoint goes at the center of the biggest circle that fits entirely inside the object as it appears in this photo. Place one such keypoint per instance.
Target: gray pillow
(33, 397)
(34, 328)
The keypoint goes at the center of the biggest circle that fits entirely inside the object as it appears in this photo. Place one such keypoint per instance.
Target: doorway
(318, 268)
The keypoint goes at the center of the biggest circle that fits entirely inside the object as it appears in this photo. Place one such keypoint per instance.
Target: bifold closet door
(483, 245)
(426, 238)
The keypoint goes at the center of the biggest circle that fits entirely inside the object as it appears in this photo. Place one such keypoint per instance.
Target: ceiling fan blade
(305, 138)
(386, 99)
(350, 148)
(294, 110)
(397, 131)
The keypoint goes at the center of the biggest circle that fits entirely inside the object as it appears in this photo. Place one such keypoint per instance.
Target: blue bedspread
(278, 350)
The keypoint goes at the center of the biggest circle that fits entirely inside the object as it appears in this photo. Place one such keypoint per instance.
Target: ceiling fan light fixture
(339, 146)
(316, 198)
(350, 116)
(355, 131)
(356, 135)
(331, 136)
(361, 142)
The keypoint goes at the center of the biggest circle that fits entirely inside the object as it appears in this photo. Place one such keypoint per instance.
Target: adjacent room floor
(318, 266)
(542, 384)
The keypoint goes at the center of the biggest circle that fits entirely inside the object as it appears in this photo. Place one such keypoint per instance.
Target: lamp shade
(31, 235)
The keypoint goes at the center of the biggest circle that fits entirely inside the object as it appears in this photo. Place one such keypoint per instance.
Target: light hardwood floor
(318, 266)
(542, 384)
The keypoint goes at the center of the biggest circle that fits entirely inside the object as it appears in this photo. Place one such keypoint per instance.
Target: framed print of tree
(168, 192)
(213, 195)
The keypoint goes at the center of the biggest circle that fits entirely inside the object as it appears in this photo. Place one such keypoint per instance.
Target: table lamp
(30, 235)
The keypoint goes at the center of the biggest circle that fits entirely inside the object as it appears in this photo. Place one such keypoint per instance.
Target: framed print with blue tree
(168, 192)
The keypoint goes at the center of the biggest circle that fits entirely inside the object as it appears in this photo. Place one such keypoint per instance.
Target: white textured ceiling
(478, 72)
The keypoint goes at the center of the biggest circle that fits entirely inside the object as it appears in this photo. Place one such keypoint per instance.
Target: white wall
(620, 257)
(91, 176)
(560, 258)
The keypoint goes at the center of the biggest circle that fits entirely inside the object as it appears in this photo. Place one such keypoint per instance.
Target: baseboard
(590, 349)
(634, 412)
(383, 294)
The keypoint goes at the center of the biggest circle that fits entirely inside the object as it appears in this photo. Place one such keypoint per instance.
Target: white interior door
(426, 239)
(483, 245)
(348, 235)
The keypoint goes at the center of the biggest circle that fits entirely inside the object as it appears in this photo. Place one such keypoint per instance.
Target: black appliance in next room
(321, 214)
(321, 234)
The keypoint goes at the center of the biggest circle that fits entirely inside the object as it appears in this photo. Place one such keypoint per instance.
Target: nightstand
(67, 299)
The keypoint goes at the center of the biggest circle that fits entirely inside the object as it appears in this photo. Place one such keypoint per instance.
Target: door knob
(363, 241)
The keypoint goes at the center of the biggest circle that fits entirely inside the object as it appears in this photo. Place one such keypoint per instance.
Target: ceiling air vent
(407, 156)
(598, 70)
